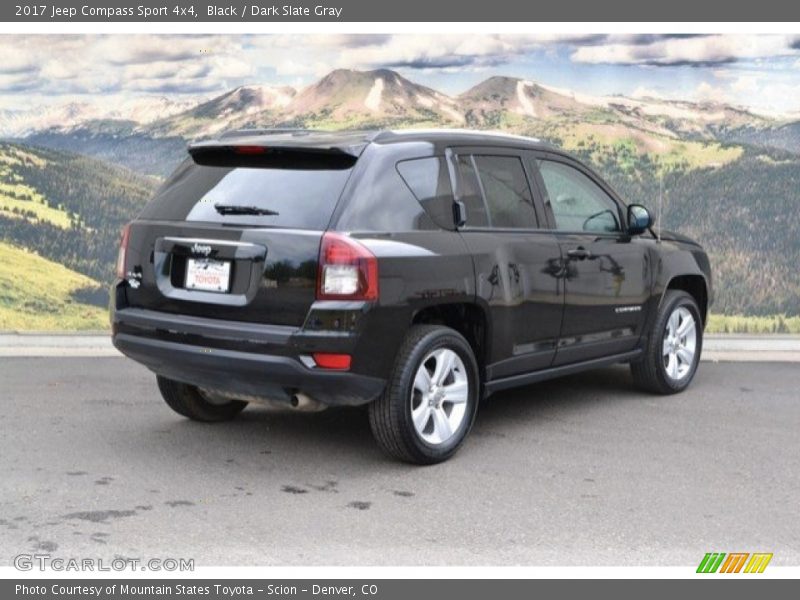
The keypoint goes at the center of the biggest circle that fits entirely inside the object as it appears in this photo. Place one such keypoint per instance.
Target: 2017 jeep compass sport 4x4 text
(416, 272)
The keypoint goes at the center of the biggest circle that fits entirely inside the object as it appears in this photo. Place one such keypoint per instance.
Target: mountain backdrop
(71, 176)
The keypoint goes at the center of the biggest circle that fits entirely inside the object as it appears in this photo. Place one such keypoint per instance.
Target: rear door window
(496, 193)
(298, 198)
(508, 196)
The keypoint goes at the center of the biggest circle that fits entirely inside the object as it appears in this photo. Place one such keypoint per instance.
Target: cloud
(98, 64)
(642, 39)
(355, 40)
(697, 51)
(145, 49)
(472, 52)
(646, 92)
(746, 83)
(442, 62)
(709, 93)
(18, 82)
(56, 66)
(175, 86)
(167, 70)
(437, 52)
(16, 63)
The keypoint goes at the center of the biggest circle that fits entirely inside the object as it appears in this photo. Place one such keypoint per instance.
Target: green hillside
(66, 207)
(38, 294)
(737, 194)
(19, 200)
(119, 144)
(745, 214)
(739, 202)
(60, 218)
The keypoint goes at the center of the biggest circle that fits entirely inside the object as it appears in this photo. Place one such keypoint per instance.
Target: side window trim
(538, 156)
(533, 163)
(455, 184)
(452, 155)
(531, 168)
(482, 190)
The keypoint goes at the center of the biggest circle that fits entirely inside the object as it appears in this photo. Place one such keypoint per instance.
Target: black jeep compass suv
(417, 272)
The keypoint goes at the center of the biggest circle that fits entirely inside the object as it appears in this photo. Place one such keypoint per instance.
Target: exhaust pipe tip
(285, 399)
(303, 403)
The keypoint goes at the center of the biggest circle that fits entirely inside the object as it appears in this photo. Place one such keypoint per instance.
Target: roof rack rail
(256, 132)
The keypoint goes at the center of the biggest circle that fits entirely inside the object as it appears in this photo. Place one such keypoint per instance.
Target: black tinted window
(381, 200)
(429, 181)
(506, 190)
(302, 198)
(578, 203)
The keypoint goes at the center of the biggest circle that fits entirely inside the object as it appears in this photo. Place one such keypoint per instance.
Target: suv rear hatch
(235, 232)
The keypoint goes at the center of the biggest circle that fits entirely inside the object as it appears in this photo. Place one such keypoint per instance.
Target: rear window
(298, 198)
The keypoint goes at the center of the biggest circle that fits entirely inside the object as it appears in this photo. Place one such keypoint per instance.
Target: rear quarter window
(429, 181)
(379, 199)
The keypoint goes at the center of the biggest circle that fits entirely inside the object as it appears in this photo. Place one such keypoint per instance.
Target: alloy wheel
(680, 344)
(439, 396)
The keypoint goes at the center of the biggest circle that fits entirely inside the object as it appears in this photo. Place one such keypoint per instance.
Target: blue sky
(761, 72)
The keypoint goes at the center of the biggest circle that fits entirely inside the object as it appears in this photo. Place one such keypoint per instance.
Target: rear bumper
(206, 353)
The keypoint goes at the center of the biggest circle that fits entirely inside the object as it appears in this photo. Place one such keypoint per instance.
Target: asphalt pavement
(577, 471)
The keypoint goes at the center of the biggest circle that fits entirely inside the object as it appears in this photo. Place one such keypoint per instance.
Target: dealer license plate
(208, 275)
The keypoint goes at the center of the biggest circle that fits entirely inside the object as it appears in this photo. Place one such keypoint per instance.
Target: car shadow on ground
(344, 433)
(563, 394)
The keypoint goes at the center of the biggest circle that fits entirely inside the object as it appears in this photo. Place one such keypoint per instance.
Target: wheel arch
(696, 286)
(468, 318)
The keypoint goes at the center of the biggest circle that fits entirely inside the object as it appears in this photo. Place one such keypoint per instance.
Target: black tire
(390, 415)
(188, 401)
(650, 373)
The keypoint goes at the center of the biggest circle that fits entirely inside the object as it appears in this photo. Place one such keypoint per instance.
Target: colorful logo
(714, 562)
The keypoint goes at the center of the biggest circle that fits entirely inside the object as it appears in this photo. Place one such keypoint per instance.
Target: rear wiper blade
(236, 209)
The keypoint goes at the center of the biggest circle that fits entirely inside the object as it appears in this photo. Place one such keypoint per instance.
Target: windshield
(253, 196)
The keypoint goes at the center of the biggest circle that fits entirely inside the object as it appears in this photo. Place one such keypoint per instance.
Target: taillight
(123, 251)
(347, 270)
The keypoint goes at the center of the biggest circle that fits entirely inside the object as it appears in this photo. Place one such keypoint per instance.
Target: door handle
(579, 253)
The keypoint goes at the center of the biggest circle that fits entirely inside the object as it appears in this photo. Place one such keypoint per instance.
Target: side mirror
(459, 213)
(639, 219)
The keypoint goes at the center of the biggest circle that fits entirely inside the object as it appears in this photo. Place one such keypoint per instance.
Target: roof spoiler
(236, 133)
(263, 153)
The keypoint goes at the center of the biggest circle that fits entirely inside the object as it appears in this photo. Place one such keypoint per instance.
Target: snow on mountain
(381, 94)
(384, 98)
(140, 110)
